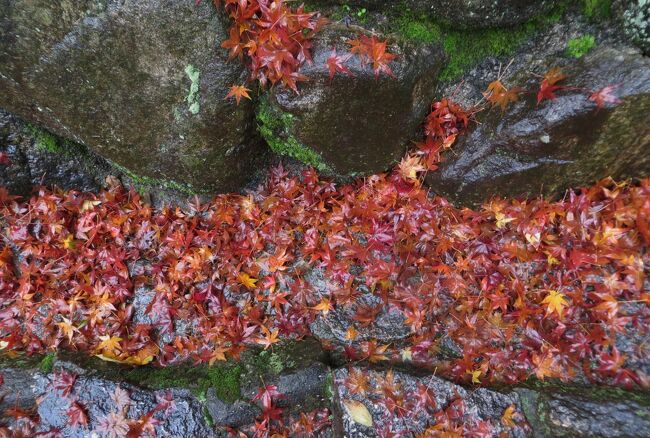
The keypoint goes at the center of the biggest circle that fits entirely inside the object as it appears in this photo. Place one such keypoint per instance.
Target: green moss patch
(45, 141)
(467, 48)
(47, 363)
(275, 127)
(598, 9)
(224, 379)
(579, 47)
(143, 183)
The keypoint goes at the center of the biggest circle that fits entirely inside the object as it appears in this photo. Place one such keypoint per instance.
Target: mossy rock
(140, 83)
(356, 124)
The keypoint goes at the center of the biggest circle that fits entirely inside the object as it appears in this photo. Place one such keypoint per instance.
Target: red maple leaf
(335, 64)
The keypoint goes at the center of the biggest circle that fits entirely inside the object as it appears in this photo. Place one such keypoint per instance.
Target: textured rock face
(38, 158)
(394, 404)
(27, 388)
(471, 13)
(545, 149)
(635, 18)
(586, 413)
(359, 124)
(141, 83)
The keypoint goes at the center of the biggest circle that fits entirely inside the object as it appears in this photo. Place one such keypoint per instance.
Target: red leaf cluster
(373, 52)
(522, 287)
(275, 38)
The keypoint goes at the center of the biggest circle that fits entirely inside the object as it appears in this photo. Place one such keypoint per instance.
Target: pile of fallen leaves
(522, 287)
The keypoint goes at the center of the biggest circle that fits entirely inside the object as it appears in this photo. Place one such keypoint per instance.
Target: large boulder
(543, 149)
(355, 124)
(141, 83)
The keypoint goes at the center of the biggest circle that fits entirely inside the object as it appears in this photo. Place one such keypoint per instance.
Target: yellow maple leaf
(409, 168)
(218, 354)
(351, 333)
(68, 242)
(324, 306)
(67, 327)
(502, 219)
(247, 280)
(506, 418)
(475, 375)
(89, 205)
(555, 302)
(110, 344)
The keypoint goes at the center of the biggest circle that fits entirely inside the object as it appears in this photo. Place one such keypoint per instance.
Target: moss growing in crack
(142, 183)
(579, 47)
(47, 363)
(224, 379)
(467, 48)
(328, 388)
(275, 127)
(44, 141)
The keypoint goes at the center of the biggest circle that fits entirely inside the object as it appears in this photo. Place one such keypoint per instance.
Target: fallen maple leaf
(247, 280)
(475, 375)
(549, 86)
(335, 64)
(409, 168)
(498, 94)
(110, 344)
(555, 302)
(604, 95)
(270, 337)
(506, 418)
(238, 91)
(324, 306)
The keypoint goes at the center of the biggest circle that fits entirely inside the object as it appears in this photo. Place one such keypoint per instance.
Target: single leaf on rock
(498, 94)
(238, 91)
(358, 412)
(335, 64)
(604, 95)
(77, 415)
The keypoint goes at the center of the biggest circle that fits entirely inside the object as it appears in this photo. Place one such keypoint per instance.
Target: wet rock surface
(38, 158)
(141, 83)
(397, 402)
(358, 124)
(586, 412)
(94, 394)
(543, 149)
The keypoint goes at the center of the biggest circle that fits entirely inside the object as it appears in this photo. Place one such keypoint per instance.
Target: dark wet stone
(586, 412)
(235, 414)
(39, 158)
(545, 149)
(25, 386)
(359, 124)
(141, 83)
